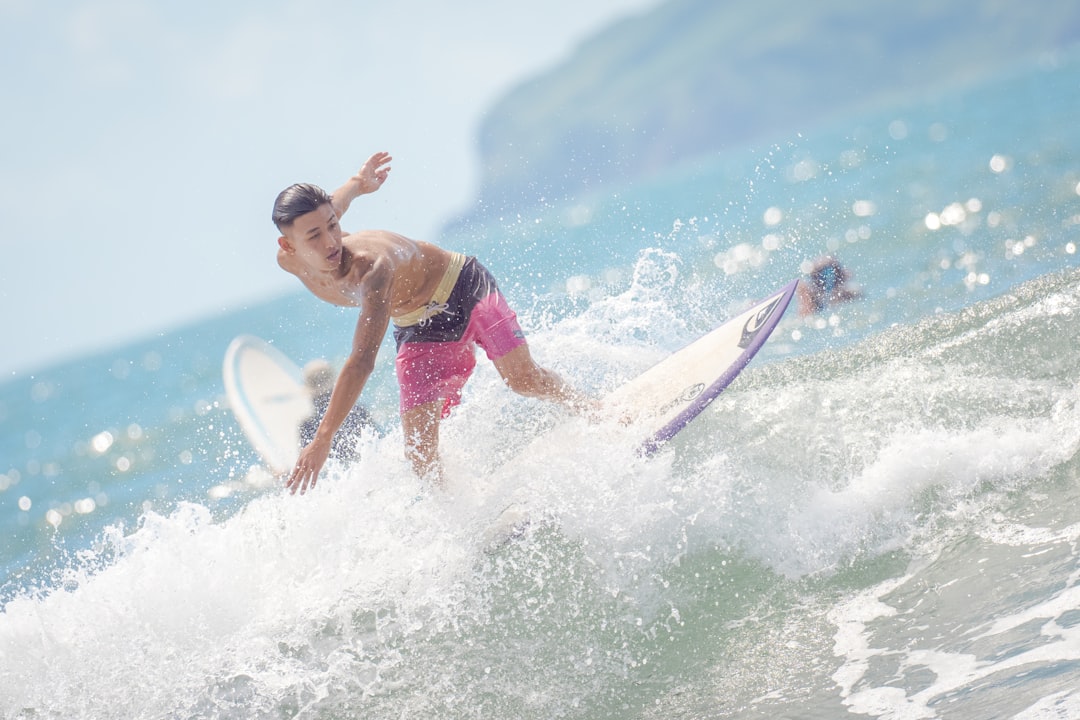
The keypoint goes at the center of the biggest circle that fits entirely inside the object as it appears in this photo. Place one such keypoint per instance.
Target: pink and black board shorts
(435, 353)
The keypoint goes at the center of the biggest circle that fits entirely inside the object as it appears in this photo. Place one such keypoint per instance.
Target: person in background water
(319, 380)
(827, 285)
(442, 305)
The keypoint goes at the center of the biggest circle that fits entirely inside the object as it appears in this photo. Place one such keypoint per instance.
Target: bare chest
(344, 292)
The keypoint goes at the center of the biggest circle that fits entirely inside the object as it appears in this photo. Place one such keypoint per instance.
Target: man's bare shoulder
(398, 250)
(412, 267)
(378, 241)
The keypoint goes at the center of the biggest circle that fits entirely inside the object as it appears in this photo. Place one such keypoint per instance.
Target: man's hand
(373, 173)
(367, 179)
(308, 465)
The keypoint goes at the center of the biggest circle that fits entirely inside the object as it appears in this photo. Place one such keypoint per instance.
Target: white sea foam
(1063, 705)
(363, 591)
(870, 692)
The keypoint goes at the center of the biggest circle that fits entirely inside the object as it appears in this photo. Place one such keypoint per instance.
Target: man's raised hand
(373, 173)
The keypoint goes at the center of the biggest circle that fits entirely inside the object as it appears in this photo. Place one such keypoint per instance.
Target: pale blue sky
(142, 142)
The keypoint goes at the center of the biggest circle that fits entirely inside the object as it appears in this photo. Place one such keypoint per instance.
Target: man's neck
(345, 265)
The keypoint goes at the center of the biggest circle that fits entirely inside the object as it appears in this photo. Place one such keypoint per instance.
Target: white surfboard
(666, 397)
(267, 395)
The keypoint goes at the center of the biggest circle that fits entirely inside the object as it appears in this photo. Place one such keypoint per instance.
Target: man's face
(315, 239)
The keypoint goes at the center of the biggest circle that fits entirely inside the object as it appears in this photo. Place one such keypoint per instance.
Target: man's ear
(283, 243)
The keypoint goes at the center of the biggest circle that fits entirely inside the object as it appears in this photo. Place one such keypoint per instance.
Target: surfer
(442, 305)
(826, 286)
(319, 380)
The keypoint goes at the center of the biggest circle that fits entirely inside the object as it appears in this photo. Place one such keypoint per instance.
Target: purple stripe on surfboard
(705, 398)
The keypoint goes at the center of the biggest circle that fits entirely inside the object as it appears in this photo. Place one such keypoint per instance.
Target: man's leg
(421, 427)
(525, 377)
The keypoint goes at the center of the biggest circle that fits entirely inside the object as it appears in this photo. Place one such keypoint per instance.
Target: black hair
(297, 200)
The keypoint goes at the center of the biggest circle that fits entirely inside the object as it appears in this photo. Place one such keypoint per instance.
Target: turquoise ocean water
(878, 519)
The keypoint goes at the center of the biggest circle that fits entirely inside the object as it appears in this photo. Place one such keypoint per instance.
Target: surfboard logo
(756, 322)
(684, 397)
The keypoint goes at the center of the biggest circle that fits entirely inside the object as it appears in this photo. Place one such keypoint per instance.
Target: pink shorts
(435, 358)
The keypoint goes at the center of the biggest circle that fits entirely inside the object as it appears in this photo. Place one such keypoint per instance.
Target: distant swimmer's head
(827, 284)
(318, 377)
(297, 200)
(828, 275)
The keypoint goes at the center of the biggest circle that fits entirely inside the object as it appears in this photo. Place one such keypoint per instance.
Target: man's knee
(530, 379)
(515, 367)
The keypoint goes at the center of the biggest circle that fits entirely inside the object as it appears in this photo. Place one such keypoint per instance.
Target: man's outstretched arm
(369, 178)
(370, 329)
